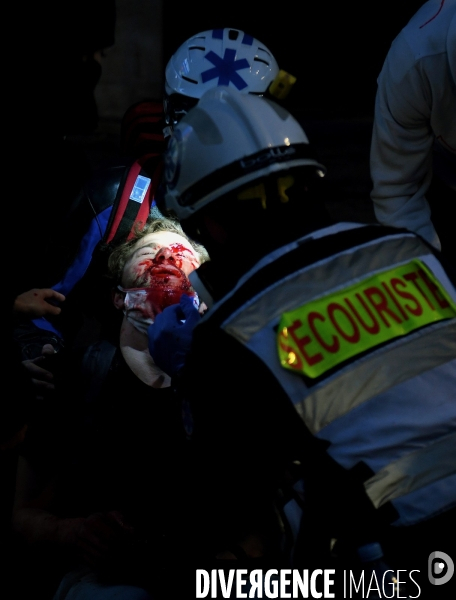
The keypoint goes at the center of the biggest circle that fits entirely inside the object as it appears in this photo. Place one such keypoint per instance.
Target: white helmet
(226, 141)
(227, 57)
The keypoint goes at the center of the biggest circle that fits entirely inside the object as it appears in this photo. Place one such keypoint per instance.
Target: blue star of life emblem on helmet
(226, 69)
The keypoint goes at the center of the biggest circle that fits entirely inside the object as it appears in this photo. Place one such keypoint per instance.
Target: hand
(37, 302)
(42, 378)
(100, 538)
(170, 336)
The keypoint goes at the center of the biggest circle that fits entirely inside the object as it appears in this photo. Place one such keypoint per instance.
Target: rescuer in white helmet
(330, 346)
(228, 57)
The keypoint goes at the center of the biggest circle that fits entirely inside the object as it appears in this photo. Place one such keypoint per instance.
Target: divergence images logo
(440, 568)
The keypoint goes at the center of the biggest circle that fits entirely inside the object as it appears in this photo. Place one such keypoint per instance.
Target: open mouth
(165, 270)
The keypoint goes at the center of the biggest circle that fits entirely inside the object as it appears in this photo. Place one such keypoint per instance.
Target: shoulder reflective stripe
(315, 235)
(413, 470)
(327, 331)
(432, 499)
(318, 279)
(377, 372)
(293, 257)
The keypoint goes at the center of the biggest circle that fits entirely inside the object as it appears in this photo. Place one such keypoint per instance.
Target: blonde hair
(120, 254)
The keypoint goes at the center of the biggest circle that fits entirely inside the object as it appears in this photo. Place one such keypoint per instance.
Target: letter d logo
(440, 568)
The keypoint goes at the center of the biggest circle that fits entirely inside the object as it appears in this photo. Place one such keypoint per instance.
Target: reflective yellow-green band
(329, 330)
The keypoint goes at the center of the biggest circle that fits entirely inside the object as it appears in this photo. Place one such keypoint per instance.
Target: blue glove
(170, 336)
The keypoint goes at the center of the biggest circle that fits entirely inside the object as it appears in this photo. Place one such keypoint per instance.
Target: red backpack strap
(133, 202)
(122, 202)
(146, 206)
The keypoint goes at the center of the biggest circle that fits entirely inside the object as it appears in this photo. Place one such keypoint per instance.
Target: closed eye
(147, 251)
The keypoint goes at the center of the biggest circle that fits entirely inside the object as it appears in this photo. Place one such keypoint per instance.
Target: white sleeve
(402, 143)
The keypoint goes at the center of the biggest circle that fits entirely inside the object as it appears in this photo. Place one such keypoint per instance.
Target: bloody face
(156, 274)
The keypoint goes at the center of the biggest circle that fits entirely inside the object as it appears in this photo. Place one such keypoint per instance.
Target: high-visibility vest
(358, 325)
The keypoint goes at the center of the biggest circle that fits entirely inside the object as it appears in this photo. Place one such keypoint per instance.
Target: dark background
(334, 48)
